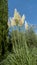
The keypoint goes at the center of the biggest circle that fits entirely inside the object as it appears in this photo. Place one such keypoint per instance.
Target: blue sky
(27, 7)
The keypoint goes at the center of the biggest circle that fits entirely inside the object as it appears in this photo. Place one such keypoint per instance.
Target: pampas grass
(22, 55)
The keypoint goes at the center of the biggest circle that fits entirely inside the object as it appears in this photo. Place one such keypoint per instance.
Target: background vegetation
(3, 27)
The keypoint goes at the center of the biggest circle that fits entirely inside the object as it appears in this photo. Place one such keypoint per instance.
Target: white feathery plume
(13, 22)
(17, 17)
(23, 19)
(26, 25)
(9, 22)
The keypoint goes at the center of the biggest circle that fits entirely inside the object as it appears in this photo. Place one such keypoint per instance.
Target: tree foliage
(3, 26)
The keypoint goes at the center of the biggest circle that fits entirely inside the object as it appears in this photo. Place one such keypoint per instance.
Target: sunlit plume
(26, 25)
(17, 17)
(23, 18)
(11, 22)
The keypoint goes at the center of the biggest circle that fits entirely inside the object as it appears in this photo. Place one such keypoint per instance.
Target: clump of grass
(22, 53)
